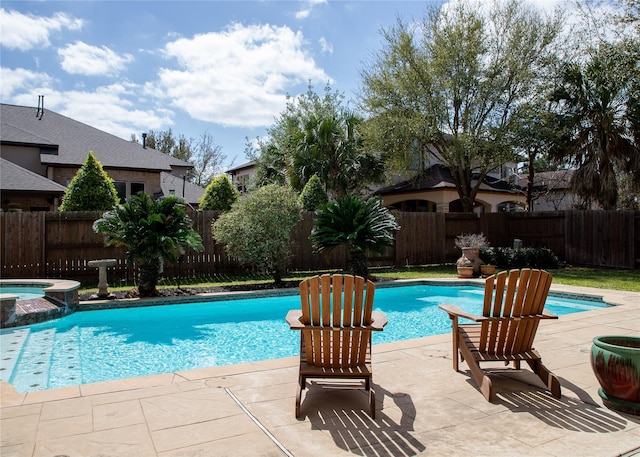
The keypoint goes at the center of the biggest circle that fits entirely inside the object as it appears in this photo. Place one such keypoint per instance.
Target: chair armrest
(454, 312)
(293, 319)
(548, 315)
(378, 320)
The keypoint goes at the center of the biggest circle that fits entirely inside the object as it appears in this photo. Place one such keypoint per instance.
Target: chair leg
(551, 380)
(455, 336)
(482, 380)
(301, 385)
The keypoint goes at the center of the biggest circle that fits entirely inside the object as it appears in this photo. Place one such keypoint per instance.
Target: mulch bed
(185, 291)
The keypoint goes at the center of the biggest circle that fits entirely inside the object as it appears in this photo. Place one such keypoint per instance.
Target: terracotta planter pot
(487, 270)
(615, 361)
(471, 256)
(465, 272)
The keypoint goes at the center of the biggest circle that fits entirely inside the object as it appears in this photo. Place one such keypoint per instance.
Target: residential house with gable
(42, 151)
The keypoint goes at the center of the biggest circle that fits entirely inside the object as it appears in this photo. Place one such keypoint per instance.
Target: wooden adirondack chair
(513, 307)
(336, 322)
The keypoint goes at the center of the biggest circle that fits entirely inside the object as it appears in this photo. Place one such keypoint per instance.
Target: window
(137, 188)
(121, 188)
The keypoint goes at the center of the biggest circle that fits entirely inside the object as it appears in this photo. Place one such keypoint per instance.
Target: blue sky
(221, 67)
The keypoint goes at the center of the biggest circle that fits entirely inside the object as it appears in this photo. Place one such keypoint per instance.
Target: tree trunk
(149, 273)
(359, 263)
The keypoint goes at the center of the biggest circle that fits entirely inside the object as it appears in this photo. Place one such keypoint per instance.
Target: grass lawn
(600, 278)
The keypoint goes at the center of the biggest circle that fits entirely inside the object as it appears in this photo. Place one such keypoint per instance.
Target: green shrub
(509, 258)
(257, 230)
(91, 189)
(219, 195)
(313, 195)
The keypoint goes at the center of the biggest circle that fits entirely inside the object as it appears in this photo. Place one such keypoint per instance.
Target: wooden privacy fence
(59, 245)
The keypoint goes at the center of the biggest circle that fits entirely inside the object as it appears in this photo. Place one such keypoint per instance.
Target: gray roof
(438, 176)
(250, 164)
(14, 177)
(192, 192)
(75, 139)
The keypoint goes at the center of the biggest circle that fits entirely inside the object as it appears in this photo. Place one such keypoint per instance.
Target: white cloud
(25, 32)
(239, 76)
(327, 47)
(20, 80)
(112, 108)
(305, 12)
(82, 59)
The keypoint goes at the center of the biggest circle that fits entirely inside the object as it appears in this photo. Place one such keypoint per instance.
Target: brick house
(40, 145)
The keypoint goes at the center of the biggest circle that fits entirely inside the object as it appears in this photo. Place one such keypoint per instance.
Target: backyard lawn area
(599, 278)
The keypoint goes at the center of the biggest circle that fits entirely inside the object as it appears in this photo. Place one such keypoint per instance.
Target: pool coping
(55, 285)
(558, 290)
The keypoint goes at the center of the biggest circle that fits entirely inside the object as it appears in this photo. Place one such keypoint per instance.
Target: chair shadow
(353, 430)
(581, 414)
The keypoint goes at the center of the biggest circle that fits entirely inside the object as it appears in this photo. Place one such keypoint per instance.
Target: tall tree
(448, 88)
(597, 100)
(535, 136)
(205, 156)
(316, 135)
(207, 160)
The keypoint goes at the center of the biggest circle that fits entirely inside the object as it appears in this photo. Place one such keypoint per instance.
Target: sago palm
(358, 224)
(151, 230)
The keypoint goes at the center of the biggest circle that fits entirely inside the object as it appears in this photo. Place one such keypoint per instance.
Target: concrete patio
(424, 407)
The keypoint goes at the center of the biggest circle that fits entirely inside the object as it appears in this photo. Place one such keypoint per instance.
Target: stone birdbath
(102, 265)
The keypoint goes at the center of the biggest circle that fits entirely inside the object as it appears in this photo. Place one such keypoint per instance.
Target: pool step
(33, 369)
(11, 341)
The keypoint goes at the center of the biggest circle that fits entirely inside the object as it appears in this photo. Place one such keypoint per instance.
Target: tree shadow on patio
(343, 414)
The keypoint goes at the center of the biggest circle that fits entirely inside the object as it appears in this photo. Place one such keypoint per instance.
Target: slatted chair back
(336, 309)
(514, 303)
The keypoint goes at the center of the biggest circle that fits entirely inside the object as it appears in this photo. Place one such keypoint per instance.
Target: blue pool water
(23, 292)
(95, 346)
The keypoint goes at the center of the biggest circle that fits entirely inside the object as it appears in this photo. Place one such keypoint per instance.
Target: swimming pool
(95, 346)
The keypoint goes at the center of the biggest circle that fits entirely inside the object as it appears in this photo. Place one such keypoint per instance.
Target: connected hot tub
(29, 301)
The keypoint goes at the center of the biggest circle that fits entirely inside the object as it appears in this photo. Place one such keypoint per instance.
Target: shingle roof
(14, 177)
(75, 139)
(437, 177)
(192, 192)
(250, 164)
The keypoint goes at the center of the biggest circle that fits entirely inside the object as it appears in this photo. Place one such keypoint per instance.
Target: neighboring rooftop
(21, 126)
(181, 188)
(438, 177)
(14, 177)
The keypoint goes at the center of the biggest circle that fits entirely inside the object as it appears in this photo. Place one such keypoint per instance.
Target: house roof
(14, 177)
(192, 192)
(244, 166)
(74, 140)
(439, 177)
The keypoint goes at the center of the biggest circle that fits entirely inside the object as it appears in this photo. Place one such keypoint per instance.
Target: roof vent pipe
(144, 141)
(40, 111)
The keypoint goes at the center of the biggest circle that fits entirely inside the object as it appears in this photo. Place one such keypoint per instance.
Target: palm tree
(359, 225)
(596, 102)
(331, 147)
(151, 230)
